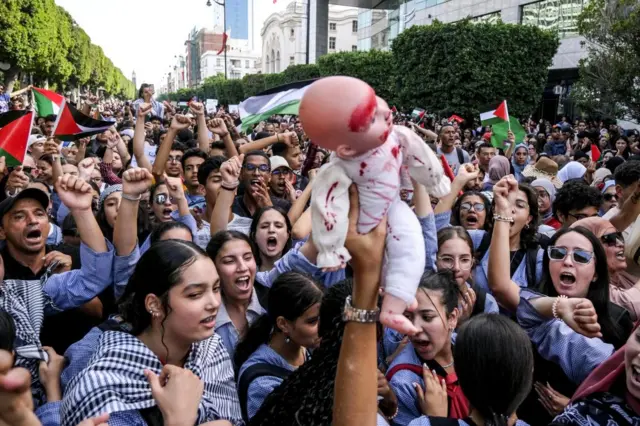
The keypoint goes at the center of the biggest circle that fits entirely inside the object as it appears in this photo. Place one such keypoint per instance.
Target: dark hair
(484, 145)
(598, 292)
(211, 164)
(254, 153)
(163, 227)
(487, 344)
(51, 118)
(575, 194)
(444, 282)
(262, 135)
(158, 270)
(455, 211)
(453, 232)
(47, 158)
(627, 150)
(528, 235)
(254, 227)
(222, 237)
(308, 391)
(279, 148)
(219, 145)
(184, 135)
(579, 154)
(7, 331)
(178, 146)
(627, 173)
(192, 152)
(142, 87)
(290, 296)
(154, 188)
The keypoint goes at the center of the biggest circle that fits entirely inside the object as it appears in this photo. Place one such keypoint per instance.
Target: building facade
(382, 21)
(239, 64)
(284, 35)
(239, 22)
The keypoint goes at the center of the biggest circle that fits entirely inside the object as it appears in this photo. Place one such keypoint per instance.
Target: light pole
(224, 25)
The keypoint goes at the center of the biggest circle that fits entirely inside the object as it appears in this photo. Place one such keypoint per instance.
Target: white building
(284, 35)
(240, 62)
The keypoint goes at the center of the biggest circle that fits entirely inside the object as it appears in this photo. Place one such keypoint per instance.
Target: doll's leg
(405, 265)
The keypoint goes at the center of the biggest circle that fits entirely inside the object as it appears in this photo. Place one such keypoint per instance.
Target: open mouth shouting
(567, 279)
(33, 237)
(272, 243)
(471, 221)
(243, 283)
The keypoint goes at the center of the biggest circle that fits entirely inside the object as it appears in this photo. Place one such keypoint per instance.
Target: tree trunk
(10, 77)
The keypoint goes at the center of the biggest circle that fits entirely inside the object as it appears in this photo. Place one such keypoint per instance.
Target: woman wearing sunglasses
(472, 211)
(574, 265)
(609, 196)
(624, 288)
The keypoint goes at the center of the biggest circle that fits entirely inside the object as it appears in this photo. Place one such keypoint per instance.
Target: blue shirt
(262, 386)
(402, 385)
(576, 354)
(5, 98)
(228, 331)
(424, 421)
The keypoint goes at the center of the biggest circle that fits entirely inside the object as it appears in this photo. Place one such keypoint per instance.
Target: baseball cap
(36, 138)
(32, 193)
(276, 161)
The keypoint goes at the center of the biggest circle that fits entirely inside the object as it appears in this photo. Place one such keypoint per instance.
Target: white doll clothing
(377, 174)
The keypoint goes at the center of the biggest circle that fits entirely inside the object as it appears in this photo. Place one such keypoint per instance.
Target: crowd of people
(164, 272)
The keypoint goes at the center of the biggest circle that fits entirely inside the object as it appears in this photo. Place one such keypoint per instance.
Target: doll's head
(344, 115)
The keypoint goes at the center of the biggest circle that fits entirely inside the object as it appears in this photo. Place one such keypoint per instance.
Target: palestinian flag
(73, 125)
(497, 116)
(47, 102)
(278, 100)
(15, 129)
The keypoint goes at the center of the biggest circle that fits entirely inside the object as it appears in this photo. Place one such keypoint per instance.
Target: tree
(375, 67)
(459, 68)
(609, 84)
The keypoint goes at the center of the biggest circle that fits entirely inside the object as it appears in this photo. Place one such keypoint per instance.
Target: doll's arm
(422, 163)
(329, 215)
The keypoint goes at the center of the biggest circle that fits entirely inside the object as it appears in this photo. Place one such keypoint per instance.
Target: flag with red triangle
(502, 112)
(73, 125)
(46, 101)
(595, 153)
(15, 129)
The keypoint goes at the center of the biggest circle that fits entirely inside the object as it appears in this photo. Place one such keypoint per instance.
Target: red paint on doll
(361, 116)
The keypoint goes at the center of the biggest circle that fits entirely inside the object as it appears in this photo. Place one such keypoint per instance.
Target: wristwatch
(358, 315)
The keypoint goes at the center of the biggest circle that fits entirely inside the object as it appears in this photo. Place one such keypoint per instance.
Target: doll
(344, 115)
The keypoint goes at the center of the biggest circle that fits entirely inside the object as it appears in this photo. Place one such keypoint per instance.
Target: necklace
(448, 365)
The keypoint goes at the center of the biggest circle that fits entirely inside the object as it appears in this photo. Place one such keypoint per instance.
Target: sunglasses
(27, 169)
(264, 168)
(162, 198)
(557, 254)
(283, 172)
(612, 239)
(478, 207)
(610, 197)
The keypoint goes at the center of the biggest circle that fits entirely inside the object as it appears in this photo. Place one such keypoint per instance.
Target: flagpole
(506, 107)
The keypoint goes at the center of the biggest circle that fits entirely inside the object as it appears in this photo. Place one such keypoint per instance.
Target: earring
(287, 339)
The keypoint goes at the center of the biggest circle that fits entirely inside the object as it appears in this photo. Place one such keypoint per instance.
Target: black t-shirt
(241, 209)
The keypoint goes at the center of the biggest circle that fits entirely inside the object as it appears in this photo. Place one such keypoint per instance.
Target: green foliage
(375, 67)
(253, 84)
(42, 39)
(300, 72)
(460, 67)
(609, 83)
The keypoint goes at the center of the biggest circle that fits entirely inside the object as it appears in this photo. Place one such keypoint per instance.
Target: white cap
(36, 138)
(277, 162)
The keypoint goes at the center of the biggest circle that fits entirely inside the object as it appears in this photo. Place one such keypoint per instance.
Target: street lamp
(224, 24)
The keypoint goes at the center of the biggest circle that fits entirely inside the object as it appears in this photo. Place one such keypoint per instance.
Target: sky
(145, 35)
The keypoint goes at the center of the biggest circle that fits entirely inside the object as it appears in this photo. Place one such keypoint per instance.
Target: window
(246, 64)
(293, 32)
(489, 18)
(332, 43)
(354, 26)
(218, 62)
(292, 60)
(555, 15)
(354, 48)
(332, 26)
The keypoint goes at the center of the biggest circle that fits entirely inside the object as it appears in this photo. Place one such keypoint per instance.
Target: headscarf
(573, 170)
(599, 175)
(517, 169)
(551, 190)
(127, 132)
(499, 167)
(108, 191)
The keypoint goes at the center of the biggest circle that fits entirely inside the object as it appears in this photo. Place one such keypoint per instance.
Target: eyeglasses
(283, 172)
(263, 168)
(560, 253)
(610, 197)
(175, 159)
(613, 239)
(449, 262)
(580, 216)
(162, 198)
(478, 207)
(27, 169)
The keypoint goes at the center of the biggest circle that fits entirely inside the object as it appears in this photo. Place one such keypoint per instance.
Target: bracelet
(278, 137)
(230, 186)
(498, 218)
(131, 197)
(359, 315)
(554, 307)
(393, 416)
